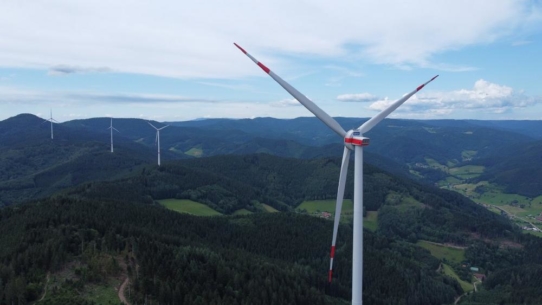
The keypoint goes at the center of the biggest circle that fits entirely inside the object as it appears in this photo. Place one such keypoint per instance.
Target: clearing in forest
(442, 251)
(318, 206)
(269, 208)
(188, 206)
(450, 272)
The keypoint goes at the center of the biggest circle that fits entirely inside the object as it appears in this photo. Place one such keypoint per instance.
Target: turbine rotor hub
(355, 138)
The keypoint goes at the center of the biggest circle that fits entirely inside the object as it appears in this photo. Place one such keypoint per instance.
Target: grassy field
(195, 152)
(440, 251)
(468, 154)
(450, 272)
(242, 212)
(269, 208)
(539, 234)
(371, 221)
(434, 164)
(188, 206)
(104, 293)
(408, 203)
(315, 206)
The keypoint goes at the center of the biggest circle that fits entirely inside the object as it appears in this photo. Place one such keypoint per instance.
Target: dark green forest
(180, 259)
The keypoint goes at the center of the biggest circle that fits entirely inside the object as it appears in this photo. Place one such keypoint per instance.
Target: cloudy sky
(175, 60)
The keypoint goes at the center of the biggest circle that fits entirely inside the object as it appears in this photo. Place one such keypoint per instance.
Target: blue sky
(167, 60)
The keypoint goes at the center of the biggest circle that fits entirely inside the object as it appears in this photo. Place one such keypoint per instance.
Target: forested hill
(32, 165)
(229, 183)
(172, 258)
(405, 141)
(517, 169)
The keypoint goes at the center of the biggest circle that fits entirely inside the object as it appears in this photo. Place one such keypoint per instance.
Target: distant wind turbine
(112, 128)
(51, 120)
(158, 139)
(353, 140)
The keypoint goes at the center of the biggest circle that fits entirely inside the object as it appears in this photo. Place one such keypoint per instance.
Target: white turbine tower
(51, 120)
(158, 139)
(353, 141)
(112, 128)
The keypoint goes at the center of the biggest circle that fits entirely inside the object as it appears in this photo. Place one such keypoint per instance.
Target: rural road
(512, 215)
(45, 290)
(121, 291)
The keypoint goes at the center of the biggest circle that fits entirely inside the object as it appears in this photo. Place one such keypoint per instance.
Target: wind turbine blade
(382, 115)
(156, 139)
(319, 113)
(162, 127)
(152, 125)
(115, 129)
(55, 121)
(338, 207)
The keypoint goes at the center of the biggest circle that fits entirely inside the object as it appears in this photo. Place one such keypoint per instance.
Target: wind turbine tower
(51, 120)
(112, 128)
(353, 141)
(157, 141)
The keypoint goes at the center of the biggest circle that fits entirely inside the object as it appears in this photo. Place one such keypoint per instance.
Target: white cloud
(67, 69)
(193, 39)
(150, 106)
(285, 103)
(14, 96)
(357, 97)
(484, 97)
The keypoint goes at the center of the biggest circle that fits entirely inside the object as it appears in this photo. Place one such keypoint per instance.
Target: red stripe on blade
(330, 275)
(266, 69)
(332, 255)
(420, 87)
(242, 50)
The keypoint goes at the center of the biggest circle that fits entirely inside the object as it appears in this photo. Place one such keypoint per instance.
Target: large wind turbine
(353, 141)
(51, 120)
(158, 139)
(112, 128)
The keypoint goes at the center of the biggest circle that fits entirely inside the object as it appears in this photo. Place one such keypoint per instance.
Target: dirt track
(121, 291)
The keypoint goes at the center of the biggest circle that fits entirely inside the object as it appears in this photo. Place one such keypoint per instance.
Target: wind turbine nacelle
(354, 138)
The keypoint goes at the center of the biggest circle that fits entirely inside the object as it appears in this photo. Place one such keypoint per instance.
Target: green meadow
(188, 206)
(242, 212)
(194, 152)
(371, 221)
(441, 251)
(315, 206)
(450, 272)
(269, 208)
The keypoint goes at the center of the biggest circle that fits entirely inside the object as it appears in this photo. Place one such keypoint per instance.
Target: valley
(525, 211)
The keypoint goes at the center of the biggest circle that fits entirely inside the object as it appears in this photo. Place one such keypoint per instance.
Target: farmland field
(242, 212)
(441, 251)
(269, 208)
(371, 221)
(195, 152)
(468, 171)
(188, 206)
(315, 206)
(450, 272)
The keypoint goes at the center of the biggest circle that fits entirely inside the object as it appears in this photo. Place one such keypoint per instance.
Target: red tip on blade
(266, 69)
(242, 50)
(332, 252)
(434, 77)
(330, 275)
